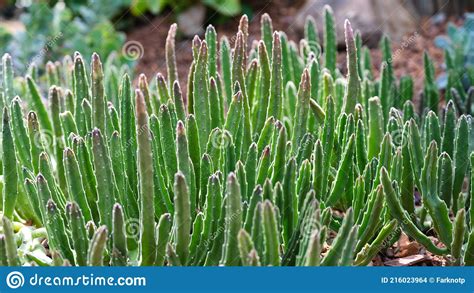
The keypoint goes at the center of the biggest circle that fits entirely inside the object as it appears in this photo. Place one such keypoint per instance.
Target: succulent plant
(275, 159)
(458, 78)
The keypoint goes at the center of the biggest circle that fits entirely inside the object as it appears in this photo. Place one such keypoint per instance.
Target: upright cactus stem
(79, 233)
(461, 159)
(245, 247)
(163, 231)
(98, 101)
(151, 103)
(342, 173)
(271, 237)
(10, 174)
(81, 86)
(182, 217)
(353, 83)
(171, 54)
(38, 105)
(145, 171)
(55, 225)
(10, 243)
(244, 28)
(97, 247)
(74, 182)
(119, 250)
(267, 31)
(128, 133)
(211, 40)
(20, 135)
(105, 180)
(184, 163)
(9, 90)
(330, 43)
(311, 34)
(201, 95)
(459, 229)
(375, 127)
(302, 105)
(233, 214)
(276, 82)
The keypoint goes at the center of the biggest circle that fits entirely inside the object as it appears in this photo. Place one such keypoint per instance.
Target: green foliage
(458, 44)
(53, 32)
(260, 168)
(458, 78)
(224, 7)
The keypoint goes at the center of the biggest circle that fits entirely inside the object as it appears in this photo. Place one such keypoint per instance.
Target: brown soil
(153, 34)
(407, 55)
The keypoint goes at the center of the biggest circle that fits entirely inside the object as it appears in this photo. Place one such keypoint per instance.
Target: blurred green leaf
(225, 7)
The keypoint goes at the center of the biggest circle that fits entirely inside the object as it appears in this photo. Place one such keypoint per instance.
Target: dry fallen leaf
(407, 247)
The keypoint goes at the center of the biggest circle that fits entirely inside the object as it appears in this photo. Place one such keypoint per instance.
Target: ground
(407, 55)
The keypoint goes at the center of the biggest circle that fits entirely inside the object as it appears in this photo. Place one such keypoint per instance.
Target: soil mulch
(152, 35)
(407, 54)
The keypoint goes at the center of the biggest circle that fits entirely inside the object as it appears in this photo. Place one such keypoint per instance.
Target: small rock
(371, 17)
(190, 21)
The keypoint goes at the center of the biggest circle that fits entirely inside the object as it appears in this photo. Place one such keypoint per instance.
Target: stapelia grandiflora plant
(274, 157)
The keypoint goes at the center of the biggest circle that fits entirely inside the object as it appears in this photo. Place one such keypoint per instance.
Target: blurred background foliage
(52, 29)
